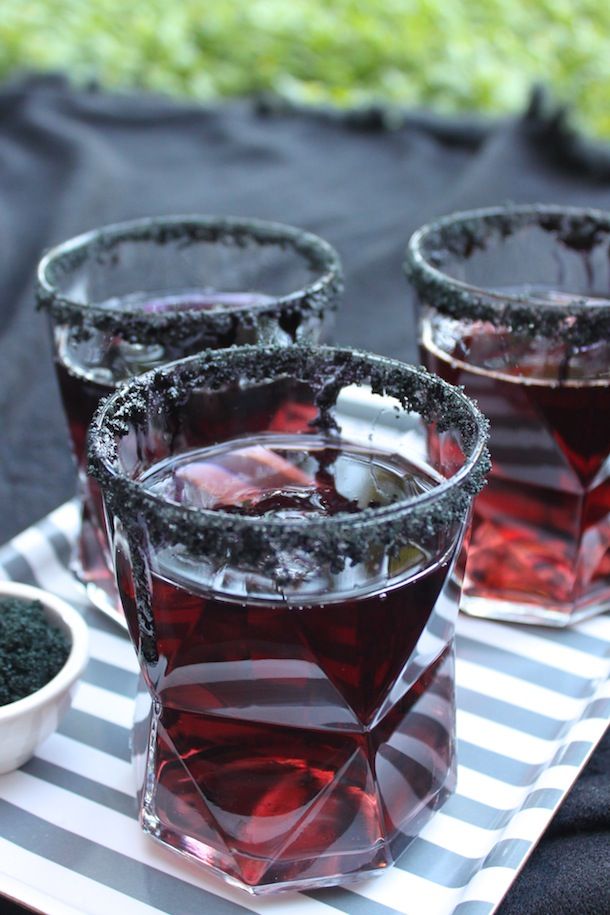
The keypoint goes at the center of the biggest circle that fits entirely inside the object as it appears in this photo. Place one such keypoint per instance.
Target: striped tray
(532, 704)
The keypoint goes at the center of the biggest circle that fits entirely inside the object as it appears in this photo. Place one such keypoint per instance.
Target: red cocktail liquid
(301, 732)
(541, 528)
(81, 397)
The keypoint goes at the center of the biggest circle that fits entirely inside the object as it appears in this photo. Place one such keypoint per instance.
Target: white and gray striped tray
(532, 704)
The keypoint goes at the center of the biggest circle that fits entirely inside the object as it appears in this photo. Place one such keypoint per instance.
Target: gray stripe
(110, 868)
(508, 853)
(96, 733)
(599, 648)
(99, 673)
(503, 767)
(437, 625)
(473, 908)
(499, 659)
(574, 754)
(513, 715)
(486, 817)
(98, 620)
(476, 813)
(62, 547)
(6, 551)
(425, 859)
(599, 708)
(84, 787)
(452, 870)
(347, 901)
(17, 566)
(543, 797)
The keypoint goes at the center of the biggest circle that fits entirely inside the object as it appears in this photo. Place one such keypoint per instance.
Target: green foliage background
(449, 54)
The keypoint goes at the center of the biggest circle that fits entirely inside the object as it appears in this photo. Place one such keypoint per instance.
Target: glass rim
(419, 391)
(320, 295)
(575, 227)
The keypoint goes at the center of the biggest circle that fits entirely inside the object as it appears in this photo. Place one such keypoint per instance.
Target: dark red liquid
(80, 368)
(304, 735)
(80, 397)
(541, 529)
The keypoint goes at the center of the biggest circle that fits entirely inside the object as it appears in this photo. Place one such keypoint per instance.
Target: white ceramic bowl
(24, 724)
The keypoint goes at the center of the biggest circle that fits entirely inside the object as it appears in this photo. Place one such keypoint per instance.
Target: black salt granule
(32, 650)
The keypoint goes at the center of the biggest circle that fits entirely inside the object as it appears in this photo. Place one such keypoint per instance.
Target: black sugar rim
(331, 539)
(317, 298)
(459, 234)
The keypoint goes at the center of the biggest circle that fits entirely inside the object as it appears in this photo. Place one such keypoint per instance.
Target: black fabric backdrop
(72, 160)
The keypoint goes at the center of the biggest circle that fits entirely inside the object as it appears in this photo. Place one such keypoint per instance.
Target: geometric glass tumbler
(127, 297)
(285, 524)
(515, 306)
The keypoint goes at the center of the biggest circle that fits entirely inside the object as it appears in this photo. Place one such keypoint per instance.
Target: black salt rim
(460, 234)
(335, 539)
(317, 298)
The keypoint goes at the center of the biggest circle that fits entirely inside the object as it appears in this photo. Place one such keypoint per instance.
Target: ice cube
(207, 485)
(265, 467)
(244, 475)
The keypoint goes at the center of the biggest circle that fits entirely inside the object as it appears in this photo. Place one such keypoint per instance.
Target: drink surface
(301, 732)
(287, 476)
(295, 478)
(541, 529)
(292, 478)
(190, 300)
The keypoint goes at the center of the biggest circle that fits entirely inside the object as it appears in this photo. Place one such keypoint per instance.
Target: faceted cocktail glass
(285, 557)
(515, 306)
(125, 298)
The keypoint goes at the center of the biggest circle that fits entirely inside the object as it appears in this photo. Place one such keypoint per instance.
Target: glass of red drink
(127, 297)
(285, 558)
(515, 306)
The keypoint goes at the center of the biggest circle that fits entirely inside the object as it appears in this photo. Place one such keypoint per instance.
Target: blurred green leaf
(454, 55)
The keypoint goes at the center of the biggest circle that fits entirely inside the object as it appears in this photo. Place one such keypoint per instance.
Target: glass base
(521, 612)
(224, 866)
(321, 870)
(269, 816)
